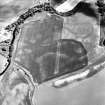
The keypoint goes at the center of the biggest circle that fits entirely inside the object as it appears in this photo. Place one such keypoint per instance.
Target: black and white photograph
(52, 52)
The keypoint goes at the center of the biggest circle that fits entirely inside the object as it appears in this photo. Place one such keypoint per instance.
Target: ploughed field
(43, 52)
